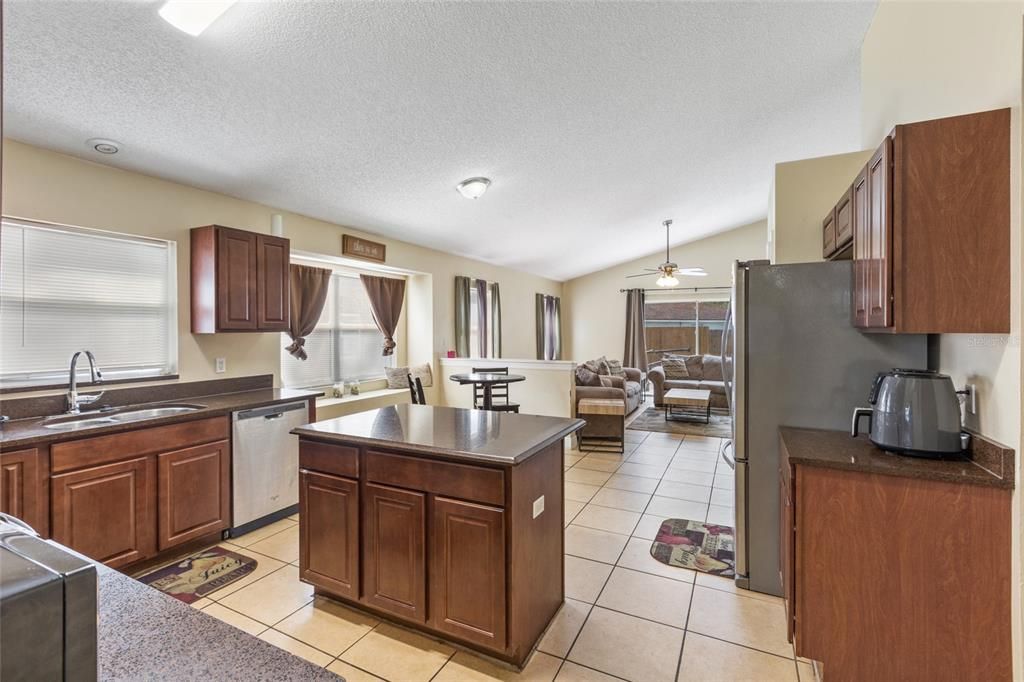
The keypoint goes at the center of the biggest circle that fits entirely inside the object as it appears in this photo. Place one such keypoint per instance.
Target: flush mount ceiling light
(473, 188)
(193, 16)
(103, 146)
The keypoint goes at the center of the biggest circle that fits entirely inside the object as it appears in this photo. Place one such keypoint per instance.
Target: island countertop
(457, 433)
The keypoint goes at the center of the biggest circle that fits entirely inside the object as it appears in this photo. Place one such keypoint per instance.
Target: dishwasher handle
(269, 412)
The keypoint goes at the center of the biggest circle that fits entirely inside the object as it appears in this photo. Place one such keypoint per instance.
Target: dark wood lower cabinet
(467, 571)
(394, 551)
(22, 488)
(107, 512)
(330, 508)
(194, 493)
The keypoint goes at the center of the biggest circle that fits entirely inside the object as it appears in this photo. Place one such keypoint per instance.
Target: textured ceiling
(594, 120)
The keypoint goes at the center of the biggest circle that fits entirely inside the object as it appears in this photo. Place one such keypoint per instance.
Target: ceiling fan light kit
(668, 270)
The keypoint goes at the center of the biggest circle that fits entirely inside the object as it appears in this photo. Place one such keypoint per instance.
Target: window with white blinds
(345, 345)
(64, 289)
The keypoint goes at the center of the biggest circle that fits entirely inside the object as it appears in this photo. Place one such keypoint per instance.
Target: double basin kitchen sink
(97, 419)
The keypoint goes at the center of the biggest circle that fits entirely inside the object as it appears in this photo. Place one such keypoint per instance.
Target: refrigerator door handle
(742, 557)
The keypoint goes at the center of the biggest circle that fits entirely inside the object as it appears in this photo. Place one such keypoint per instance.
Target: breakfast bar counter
(443, 519)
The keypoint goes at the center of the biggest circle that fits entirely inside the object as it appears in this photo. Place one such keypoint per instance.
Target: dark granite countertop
(474, 435)
(837, 450)
(144, 634)
(31, 431)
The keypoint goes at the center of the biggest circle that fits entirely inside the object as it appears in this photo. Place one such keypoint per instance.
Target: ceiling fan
(668, 269)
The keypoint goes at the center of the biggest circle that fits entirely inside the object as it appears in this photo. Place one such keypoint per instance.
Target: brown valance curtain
(308, 294)
(462, 324)
(386, 296)
(635, 353)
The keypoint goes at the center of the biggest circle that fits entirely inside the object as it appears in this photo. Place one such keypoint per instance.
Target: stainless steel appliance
(265, 464)
(791, 358)
(48, 606)
(913, 412)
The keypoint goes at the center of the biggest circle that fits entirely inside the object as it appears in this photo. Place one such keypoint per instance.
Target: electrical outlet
(972, 399)
(220, 365)
(538, 506)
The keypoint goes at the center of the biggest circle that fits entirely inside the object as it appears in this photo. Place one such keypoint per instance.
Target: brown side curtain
(386, 296)
(549, 327)
(462, 306)
(495, 319)
(481, 317)
(635, 353)
(309, 287)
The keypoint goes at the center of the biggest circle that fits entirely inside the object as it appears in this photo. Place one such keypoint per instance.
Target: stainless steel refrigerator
(791, 357)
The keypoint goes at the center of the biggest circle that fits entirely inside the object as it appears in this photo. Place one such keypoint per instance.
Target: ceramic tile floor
(626, 615)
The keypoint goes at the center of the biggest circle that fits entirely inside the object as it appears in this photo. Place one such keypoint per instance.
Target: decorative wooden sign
(362, 248)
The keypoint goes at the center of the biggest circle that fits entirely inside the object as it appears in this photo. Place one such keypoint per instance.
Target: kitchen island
(443, 519)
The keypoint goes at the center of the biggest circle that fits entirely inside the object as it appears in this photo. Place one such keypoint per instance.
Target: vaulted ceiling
(595, 120)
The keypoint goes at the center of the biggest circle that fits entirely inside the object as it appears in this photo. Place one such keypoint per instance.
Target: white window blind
(345, 345)
(64, 289)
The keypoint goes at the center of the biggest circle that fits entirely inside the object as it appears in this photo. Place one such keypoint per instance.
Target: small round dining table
(488, 380)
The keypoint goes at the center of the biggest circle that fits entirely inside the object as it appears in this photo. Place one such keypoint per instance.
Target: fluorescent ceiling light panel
(193, 16)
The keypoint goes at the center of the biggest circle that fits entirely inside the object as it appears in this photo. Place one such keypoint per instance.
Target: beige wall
(802, 193)
(926, 60)
(594, 311)
(48, 186)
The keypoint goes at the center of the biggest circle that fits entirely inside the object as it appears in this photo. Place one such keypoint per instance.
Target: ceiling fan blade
(692, 272)
(642, 274)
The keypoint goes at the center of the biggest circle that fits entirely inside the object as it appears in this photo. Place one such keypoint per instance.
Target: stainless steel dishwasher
(265, 464)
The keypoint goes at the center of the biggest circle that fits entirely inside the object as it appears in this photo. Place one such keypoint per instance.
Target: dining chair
(416, 390)
(499, 392)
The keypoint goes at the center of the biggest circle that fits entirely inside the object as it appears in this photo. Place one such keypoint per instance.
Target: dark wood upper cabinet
(107, 512)
(467, 571)
(239, 282)
(193, 493)
(22, 488)
(394, 551)
(330, 508)
(844, 223)
(828, 231)
(931, 228)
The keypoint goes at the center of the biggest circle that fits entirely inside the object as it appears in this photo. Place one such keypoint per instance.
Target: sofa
(626, 388)
(705, 373)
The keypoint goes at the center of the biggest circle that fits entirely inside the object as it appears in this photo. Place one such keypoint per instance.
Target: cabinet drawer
(87, 452)
(328, 458)
(462, 481)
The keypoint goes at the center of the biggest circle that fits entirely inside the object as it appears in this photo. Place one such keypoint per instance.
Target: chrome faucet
(75, 400)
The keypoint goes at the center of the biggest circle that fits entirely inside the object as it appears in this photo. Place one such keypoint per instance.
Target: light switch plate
(220, 365)
(538, 506)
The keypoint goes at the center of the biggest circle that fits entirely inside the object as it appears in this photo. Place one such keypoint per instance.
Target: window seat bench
(329, 408)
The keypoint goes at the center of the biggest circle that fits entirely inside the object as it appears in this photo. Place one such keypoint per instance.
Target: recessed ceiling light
(103, 146)
(193, 16)
(473, 188)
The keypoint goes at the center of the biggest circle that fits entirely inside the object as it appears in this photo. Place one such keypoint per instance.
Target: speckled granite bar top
(837, 450)
(146, 635)
(473, 435)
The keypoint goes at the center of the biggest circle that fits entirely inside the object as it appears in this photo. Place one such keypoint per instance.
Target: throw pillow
(424, 373)
(675, 367)
(615, 366)
(586, 377)
(398, 377)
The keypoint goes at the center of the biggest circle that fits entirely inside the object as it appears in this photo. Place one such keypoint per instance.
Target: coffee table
(685, 404)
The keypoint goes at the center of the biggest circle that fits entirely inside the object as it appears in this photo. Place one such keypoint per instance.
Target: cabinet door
(329, 532)
(394, 539)
(236, 280)
(272, 289)
(107, 512)
(861, 248)
(194, 493)
(828, 233)
(844, 220)
(879, 276)
(21, 493)
(467, 569)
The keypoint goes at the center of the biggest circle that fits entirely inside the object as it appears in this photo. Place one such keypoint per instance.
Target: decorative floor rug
(696, 545)
(198, 575)
(653, 419)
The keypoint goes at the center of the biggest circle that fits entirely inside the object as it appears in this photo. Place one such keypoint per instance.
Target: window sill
(363, 396)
